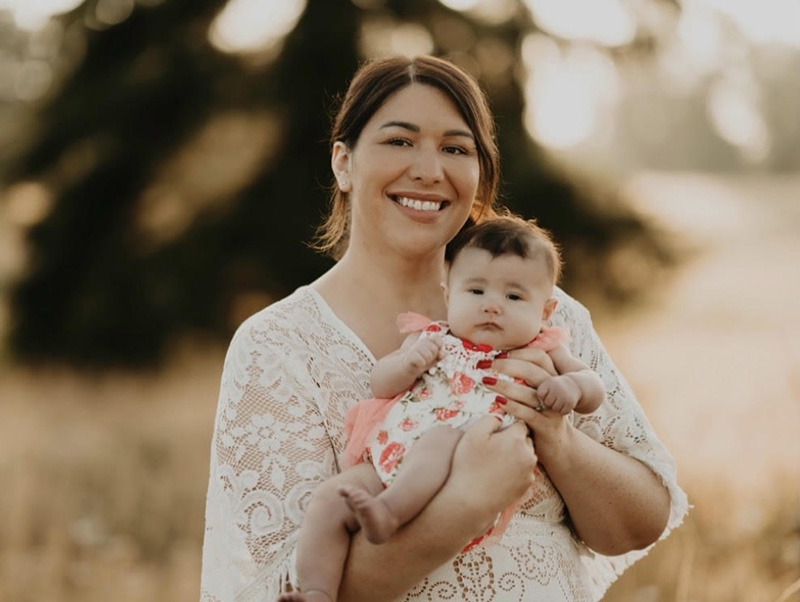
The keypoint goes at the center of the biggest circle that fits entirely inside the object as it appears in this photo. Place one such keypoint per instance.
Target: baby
(498, 292)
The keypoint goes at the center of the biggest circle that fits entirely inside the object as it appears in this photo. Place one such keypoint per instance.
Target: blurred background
(163, 162)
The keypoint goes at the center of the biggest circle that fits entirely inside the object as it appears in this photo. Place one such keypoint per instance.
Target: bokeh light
(31, 15)
(606, 22)
(566, 92)
(734, 109)
(254, 25)
(384, 37)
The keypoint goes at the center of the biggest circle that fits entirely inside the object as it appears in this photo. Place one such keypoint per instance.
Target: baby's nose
(491, 307)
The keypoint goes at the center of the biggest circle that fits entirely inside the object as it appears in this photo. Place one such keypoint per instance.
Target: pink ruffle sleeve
(364, 418)
(549, 338)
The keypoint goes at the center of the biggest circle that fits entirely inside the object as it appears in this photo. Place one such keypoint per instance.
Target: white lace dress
(291, 373)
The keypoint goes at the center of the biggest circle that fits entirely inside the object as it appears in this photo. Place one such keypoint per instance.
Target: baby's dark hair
(508, 234)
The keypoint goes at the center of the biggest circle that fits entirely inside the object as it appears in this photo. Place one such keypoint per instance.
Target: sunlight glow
(227, 153)
(385, 37)
(254, 25)
(32, 15)
(27, 203)
(606, 22)
(111, 12)
(32, 79)
(459, 4)
(737, 118)
(699, 34)
(763, 21)
(566, 93)
(493, 12)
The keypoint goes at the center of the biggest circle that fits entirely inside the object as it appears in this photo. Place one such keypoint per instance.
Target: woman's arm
(612, 482)
(502, 462)
(615, 502)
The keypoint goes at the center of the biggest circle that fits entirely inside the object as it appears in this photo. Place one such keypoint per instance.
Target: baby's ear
(549, 307)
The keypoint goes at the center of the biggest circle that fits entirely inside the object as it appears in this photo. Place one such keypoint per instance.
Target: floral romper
(450, 393)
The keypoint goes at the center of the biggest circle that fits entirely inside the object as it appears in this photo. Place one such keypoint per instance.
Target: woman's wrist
(559, 450)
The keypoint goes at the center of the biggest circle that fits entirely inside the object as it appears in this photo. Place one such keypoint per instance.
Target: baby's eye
(514, 297)
(476, 291)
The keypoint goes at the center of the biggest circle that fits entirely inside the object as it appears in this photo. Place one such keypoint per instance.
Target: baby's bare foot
(374, 516)
(312, 595)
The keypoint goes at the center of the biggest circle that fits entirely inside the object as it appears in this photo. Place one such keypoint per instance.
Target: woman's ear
(340, 163)
(446, 292)
(549, 308)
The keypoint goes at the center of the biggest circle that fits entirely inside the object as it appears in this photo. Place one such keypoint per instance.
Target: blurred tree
(104, 287)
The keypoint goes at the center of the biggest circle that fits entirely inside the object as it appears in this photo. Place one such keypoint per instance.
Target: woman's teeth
(419, 205)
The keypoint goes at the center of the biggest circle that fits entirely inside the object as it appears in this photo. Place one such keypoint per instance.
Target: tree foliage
(97, 293)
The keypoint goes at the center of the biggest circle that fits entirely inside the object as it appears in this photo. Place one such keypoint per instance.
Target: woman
(414, 156)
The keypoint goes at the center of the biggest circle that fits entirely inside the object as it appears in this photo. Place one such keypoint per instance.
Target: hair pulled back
(371, 86)
(509, 234)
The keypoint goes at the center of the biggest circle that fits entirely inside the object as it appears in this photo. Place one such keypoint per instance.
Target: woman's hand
(550, 430)
(492, 469)
(530, 367)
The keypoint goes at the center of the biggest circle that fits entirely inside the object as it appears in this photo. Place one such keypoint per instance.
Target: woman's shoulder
(279, 322)
(568, 310)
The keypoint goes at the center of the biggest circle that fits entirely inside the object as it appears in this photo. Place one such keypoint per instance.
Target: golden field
(103, 477)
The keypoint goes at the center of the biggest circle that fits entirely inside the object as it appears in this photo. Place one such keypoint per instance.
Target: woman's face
(412, 176)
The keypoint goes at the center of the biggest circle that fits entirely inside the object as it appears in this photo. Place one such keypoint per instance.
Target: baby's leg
(423, 472)
(324, 540)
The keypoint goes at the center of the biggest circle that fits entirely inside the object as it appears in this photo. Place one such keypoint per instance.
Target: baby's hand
(559, 393)
(423, 354)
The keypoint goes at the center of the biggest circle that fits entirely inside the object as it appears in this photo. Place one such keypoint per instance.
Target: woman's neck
(368, 292)
(413, 283)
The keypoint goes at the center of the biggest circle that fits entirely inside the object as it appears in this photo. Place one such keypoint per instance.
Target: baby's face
(498, 301)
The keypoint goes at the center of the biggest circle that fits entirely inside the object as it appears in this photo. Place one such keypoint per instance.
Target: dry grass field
(103, 478)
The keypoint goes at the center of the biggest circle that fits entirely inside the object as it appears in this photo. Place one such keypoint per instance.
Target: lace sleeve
(619, 423)
(270, 449)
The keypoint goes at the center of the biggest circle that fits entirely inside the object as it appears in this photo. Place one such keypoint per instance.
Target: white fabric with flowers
(291, 373)
(450, 393)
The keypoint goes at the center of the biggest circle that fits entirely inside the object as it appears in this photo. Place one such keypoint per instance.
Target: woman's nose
(427, 166)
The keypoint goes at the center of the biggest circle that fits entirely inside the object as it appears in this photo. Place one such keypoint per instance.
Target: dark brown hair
(509, 234)
(371, 86)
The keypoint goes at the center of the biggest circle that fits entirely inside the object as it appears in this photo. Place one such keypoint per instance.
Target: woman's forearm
(501, 461)
(616, 503)
(381, 573)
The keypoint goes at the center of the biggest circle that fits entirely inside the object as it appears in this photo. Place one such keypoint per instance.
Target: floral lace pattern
(291, 373)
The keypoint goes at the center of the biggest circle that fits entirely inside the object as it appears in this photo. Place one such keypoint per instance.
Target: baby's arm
(576, 387)
(396, 372)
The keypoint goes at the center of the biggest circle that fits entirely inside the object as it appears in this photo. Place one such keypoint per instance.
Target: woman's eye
(455, 150)
(398, 142)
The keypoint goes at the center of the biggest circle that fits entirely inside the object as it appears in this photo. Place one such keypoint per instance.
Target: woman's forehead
(417, 106)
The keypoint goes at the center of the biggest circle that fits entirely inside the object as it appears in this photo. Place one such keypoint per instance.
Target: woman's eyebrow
(464, 133)
(415, 128)
(401, 124)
